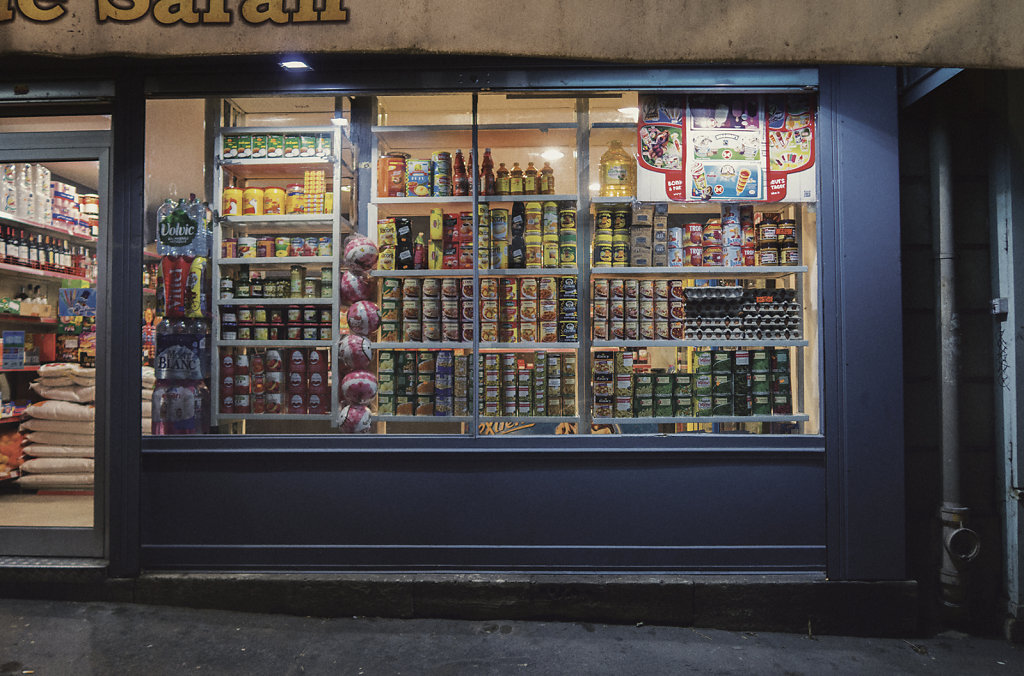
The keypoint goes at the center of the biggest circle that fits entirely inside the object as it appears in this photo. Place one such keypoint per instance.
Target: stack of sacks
(148, 383)
(66, 382)
(59, 450)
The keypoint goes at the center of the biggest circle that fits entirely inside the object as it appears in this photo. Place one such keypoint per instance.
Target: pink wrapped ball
(360, 253)
(354, 352)
(363, 318)
(354, 419)
(359, 387)
(354, 287)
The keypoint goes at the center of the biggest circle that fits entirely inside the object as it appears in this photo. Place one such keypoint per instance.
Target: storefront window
(526, 263)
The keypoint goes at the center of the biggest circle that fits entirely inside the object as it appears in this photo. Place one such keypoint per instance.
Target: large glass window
(503, 264)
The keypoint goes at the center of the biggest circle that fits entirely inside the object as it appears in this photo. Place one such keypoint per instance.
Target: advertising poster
(76, 303)
(725, 140)
(791, 129)
(661, 145)
(726, 148)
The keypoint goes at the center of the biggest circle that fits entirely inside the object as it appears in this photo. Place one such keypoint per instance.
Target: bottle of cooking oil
(617, 172)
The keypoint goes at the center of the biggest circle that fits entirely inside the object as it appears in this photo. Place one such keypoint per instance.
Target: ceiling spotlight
(295, 64)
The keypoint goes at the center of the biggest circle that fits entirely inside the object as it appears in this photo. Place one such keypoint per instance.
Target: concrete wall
(965, 98)
(983, 33)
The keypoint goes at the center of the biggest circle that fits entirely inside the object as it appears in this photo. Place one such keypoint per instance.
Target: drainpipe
(960, 544)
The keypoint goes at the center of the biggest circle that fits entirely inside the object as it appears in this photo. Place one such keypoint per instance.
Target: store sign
(170, 12)
(726, 148)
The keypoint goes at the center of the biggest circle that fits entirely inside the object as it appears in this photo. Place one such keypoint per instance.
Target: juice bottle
(617, 172)
(487, 174)
(547, 180)
(530, 180)
(502, 184)
(515, 183)
(460, 178)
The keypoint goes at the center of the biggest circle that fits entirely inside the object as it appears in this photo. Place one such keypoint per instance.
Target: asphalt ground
(43, 638)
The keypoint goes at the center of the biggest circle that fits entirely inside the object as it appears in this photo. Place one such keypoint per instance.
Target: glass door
(53, 199)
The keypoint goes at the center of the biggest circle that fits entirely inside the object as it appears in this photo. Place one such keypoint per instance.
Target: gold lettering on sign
(106, 10)
(6, 11)
(217, 12)
(32, 10)
(305, 13)
(333, 11)
(260, 11)
(172, 11)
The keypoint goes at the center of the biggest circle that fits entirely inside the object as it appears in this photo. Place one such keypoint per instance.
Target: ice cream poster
(725, 148)
(660, 144)
(76, 302)
(791, 129)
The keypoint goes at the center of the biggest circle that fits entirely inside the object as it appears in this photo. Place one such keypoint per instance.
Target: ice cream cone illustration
(741, 180)
(700, 179)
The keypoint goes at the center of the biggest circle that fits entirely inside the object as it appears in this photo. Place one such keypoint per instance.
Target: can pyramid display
(358, 385)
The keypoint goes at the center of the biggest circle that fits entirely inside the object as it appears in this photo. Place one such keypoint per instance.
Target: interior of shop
(49, 231)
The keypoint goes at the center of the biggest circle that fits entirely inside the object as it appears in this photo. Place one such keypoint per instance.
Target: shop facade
(823, 497)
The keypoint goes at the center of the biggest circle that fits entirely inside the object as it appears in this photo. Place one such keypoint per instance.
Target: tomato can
(693, 256)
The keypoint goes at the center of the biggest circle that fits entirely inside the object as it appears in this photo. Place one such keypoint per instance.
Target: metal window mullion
(475, 357)
(584, 411)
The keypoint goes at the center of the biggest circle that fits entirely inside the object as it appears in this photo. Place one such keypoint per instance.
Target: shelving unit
(521, 142)
(337, 166)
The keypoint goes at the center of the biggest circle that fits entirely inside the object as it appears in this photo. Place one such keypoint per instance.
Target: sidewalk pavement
(44, 638)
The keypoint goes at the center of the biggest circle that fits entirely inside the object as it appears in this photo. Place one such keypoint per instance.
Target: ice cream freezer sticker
(718, 148)
(76, 302)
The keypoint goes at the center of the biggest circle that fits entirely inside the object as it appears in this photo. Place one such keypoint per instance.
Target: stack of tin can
(638, 309)
(776, 242)
(427, 309)
(273, 381)
(260, 146)
(422, 382)
(611, 237)
(528, 384)
(529, 309)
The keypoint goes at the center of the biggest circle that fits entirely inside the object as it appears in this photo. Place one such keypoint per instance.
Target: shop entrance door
(54, 190)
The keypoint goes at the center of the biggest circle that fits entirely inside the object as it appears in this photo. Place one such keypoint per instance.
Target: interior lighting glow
(633, 113)
(295, 65)
(551, 155)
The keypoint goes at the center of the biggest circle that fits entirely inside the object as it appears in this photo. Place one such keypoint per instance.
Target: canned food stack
(742, 383)
(274, 381)
(264, 146)
(632, 309)
(314, 188)
(770, 382)
(423, 383)
(776, 242)
(528, 384)
(737, 313)
(275, 246)
(430, 309)
(612, 237)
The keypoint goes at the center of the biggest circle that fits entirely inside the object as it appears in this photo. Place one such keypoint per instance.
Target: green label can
(721, 384)
(721, 405)
(761, 404)
(702, 406)
(275, 145)
(721, 362)
(702, 385)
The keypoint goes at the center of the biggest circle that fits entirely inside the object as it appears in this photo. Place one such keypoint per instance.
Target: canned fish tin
(712, 234)
(712, 256)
